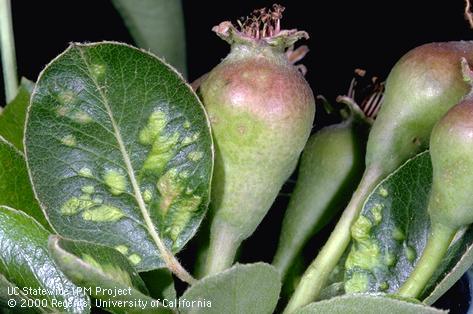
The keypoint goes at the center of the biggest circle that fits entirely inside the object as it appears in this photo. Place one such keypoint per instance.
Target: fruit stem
(316, 275)
(437, 245)
(223, 246)
(7, 48)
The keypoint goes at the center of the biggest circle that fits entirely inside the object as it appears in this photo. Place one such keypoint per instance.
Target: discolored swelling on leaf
(97, 121)
(403, 231)
(26, 264)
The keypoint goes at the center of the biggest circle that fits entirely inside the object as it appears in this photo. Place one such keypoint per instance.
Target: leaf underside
(119, 151)
(250, 289)
(98, 269)
(367, 304)
(26, 264)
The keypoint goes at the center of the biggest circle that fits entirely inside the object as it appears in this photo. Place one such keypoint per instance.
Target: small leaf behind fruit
(367, 304)
(158, 26)
(15, 186)
(119, 151)
(249, 289)
(12, 119)
(27, 265)
(105, 274)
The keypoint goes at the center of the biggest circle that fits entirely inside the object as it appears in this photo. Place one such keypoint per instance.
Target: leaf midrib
(129, 168)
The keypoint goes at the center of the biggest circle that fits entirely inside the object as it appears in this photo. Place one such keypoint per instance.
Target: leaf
(12, 119)
(366, 304)
(158, 26)
(119, 151)
(105, 274)
(391, 233)
(6, 295)
(25, 263)
(252, 288)
(15, 186)
(160, 284)
(458, 260)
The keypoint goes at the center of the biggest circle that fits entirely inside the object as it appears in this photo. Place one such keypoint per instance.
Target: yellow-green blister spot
(134, 259)
(169, 188)
(383, 192)
(147, 195)
(97, 200)
(81, 117)
(115, 181)
(62, 110)
(74, 205)
(398, 235)
(162, 151)
(85, 197)
(410, 253)
(156, 124)
(98, 70)
(360, 230)
(88, 189)
(67, 97)
(91, 261)
(69, 140)
(376, 211)
(184, 174)
(122, 249)
(110, 271)
(85, 172)
(383, 286)
(190, 139)
(103, 213)
(190, 204)
(187, 124)
(195, 156)
(390, 259)
(358, 283)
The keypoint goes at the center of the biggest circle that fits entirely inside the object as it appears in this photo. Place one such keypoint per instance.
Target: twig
(7, 48)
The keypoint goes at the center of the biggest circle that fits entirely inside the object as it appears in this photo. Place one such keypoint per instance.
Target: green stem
(7, 48)
(224, 243)
(437, 245)
(316, 275)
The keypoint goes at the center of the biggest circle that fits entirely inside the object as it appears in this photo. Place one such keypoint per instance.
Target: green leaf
(252, 288)
(12, 119)
(104, 274)
(15, 186)
(391, 233)
(458, 260)
(119, 151)
(157, 25)
(6, 295)
(366, 304)
(160, 284)
(27, 265)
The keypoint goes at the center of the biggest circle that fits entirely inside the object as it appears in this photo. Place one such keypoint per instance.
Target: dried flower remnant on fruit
(262, 22)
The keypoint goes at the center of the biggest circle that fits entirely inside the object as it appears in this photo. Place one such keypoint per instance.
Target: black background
(344, 35)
